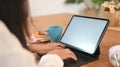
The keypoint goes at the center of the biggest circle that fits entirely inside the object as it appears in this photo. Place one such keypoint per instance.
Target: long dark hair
(14, 14)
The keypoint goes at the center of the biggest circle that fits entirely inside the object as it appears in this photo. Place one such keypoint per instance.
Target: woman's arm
(44, 48)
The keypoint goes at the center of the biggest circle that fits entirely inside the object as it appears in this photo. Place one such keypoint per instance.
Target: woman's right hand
(64, 53)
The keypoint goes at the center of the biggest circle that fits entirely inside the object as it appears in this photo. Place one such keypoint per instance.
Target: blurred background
(45, 7)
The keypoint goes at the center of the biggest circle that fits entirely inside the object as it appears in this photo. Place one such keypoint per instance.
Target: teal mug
(55, 33)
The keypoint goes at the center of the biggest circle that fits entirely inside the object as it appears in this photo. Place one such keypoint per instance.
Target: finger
(71, 54)
(60, 48)
(59, 44)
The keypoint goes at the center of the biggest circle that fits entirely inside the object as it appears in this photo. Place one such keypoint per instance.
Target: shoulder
(10, 47)
(7, 39)
(3, 27)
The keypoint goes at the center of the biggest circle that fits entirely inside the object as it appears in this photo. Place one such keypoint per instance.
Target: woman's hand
(64, 53)
(45, 48)
(51, 46)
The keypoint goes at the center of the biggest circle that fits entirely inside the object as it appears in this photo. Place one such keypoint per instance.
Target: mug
(54, 33)
(114, 55)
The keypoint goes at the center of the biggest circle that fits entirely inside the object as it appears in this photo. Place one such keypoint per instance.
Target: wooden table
(111, 37)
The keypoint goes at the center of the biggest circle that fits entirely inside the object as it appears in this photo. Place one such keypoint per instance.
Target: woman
(13, 28)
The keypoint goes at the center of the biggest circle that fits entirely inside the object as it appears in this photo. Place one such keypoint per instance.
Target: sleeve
(17, 59)
(51, 60)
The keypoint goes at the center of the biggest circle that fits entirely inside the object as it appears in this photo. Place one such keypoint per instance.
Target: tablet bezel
(101, 36)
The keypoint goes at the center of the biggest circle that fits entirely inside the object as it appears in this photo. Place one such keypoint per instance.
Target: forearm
(38, 48)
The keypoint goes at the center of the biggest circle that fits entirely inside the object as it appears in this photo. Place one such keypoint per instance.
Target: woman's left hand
(45, 48)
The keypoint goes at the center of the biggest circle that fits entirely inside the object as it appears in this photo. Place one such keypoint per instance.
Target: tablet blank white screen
(84, 33)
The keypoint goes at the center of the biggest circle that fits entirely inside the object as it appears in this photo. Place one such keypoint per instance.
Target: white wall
(45, 7)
